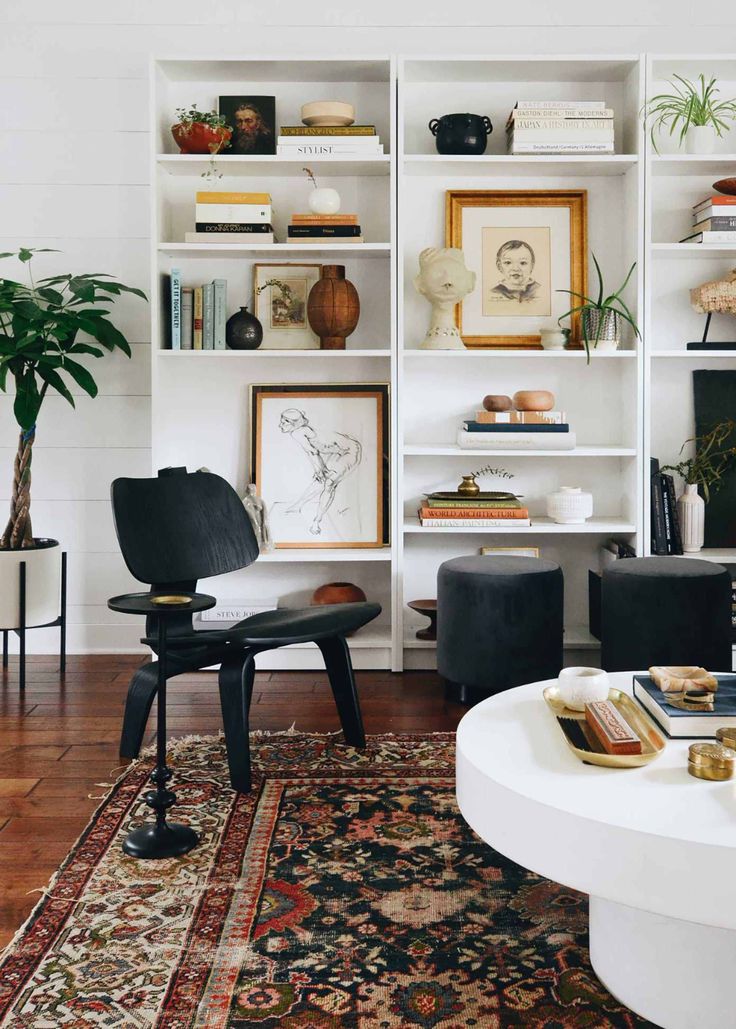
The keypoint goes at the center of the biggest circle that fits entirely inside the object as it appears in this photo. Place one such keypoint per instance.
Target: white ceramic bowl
(570, 505)
(579, 686)
(328, 112)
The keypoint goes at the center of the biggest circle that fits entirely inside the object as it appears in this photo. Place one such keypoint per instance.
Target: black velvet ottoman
(665, 611)
(499, 624)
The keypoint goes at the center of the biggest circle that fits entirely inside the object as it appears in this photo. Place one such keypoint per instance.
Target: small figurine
(444, 281)
(255, 506)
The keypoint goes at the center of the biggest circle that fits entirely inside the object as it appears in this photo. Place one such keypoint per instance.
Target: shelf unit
(200, 399)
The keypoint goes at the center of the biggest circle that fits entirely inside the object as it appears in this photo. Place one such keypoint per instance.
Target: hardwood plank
(17, 787)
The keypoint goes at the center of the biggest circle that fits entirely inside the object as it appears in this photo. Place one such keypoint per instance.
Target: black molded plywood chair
(180, 527)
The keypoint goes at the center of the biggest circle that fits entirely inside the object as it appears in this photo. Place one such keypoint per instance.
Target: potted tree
(39, 351)
(603, 316)
(701, 474)
(691, 110)
(200, 132)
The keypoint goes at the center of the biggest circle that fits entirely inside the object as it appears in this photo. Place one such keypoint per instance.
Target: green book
(220, 316)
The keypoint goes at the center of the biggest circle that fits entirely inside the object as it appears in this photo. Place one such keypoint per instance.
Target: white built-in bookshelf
(200, 399)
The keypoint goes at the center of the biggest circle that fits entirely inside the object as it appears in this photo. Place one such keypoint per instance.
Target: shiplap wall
(74, 176)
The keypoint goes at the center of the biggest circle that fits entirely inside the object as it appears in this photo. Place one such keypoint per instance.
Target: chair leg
(236, 689)
(339, 667)
(138, 703)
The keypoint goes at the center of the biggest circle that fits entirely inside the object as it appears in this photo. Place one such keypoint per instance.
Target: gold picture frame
(537, 226)
(297, 278)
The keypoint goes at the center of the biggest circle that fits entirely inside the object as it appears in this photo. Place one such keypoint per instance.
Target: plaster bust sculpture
(444, 281)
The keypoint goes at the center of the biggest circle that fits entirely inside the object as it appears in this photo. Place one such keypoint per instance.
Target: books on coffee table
(679, 724)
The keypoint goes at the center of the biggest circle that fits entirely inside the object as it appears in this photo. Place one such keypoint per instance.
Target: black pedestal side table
(161, 839)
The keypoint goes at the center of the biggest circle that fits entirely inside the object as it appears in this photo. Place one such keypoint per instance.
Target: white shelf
(601, 526)
(275, 164)
(693, 164)
(453, 450)
(340, 554)
(694, 355)
(725, 556)
(580, 165)
(414, 353)
(673, 250)
(240, 249)
(233, 355)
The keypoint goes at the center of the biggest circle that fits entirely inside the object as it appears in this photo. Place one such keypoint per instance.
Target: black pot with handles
(461, 133)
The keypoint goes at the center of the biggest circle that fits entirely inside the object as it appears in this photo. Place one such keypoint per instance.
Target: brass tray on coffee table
(586, 747)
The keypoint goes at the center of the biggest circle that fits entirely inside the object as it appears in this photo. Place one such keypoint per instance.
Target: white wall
(74, 176)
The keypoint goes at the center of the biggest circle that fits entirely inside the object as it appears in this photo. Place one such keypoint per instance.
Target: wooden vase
(338, 593)
(333, 307)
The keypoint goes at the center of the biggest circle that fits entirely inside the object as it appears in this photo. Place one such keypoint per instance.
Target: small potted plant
(602, 317)
(39, 351)
(701, 474)
(200, 132)
(691, 110)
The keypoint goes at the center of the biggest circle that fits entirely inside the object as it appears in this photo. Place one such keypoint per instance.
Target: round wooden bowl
(727, 186)
(328, 112)
(429, 609)
(338, 593)
(534, 400)
(497, 402)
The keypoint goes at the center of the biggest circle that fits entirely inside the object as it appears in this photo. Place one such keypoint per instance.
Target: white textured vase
(700, 139)
(691, 515)
(570, 505)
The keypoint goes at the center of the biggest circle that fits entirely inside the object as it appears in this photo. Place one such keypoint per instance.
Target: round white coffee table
(654, 848)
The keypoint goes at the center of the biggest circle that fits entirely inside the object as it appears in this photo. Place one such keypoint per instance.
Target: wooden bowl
(497, 402)
(727, 186)
(328, 112)
(534, 400)
(338, 593)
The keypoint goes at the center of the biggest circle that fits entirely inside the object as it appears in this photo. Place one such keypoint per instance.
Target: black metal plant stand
(22, 628)
(161, 839)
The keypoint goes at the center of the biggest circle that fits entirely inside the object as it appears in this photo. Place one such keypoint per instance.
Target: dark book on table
(711, 346)
(233, 227)
(324, 230)
(473, 426)
(475, 499)
(680, 724)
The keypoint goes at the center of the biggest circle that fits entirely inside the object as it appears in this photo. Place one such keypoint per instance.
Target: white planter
(580, 686)
(570, 505)
(324, 201)
(691, 515)
(43, 584)
(604, 346)
(700, 139)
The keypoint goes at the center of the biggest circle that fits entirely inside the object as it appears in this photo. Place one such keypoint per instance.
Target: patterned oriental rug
(345, 891)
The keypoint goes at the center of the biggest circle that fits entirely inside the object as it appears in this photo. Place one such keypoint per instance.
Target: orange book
(324, 219)
(208, 197)
(473, 512)
(715, 201)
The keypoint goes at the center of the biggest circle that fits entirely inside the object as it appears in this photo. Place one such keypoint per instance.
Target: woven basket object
(719, 295)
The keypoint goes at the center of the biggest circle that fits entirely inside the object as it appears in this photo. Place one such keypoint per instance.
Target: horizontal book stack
(517, 430)
(665, 525)
(316, 228)
(714, 221)
(232, 218)
(328, 141)
(560, 127)
(198, 314)
(484, 510)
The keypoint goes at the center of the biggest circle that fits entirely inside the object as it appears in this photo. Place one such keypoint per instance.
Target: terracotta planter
(338, 593)
(199, 138)
(333, 307)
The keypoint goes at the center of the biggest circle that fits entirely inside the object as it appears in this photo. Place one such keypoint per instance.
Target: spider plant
(689, 104)
(602, 307)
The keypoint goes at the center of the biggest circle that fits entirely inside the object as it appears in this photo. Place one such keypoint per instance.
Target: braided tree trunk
(18, 532)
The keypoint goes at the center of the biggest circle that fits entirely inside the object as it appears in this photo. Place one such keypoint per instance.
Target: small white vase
(324, 201)
(579, 686)
(700, 139)
(553, 339)
(691, 515)
(570, 505)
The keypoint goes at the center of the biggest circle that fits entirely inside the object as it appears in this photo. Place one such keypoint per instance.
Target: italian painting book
(175, 302)
(197, 318)
(679, 724)
(475, 523)
(208, 316)
(187, 300)
(220, 314)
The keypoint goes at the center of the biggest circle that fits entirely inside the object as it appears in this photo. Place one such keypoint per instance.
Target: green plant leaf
(56, 382)
(108, 335)
(82, 377)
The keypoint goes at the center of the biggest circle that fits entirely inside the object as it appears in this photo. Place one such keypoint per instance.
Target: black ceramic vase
(243, 331)
(461, 133)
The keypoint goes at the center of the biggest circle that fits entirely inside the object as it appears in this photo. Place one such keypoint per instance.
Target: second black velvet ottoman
(499, 624)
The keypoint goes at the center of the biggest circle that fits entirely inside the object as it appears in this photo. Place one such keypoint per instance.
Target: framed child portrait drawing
(524, 246)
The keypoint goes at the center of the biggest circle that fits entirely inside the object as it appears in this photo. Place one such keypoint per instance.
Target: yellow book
(197, 319)
(233, 198)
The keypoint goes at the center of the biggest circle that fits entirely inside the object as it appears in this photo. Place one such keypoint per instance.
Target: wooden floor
(59, 742)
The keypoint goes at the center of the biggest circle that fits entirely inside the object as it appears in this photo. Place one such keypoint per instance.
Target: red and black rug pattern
(345, 891)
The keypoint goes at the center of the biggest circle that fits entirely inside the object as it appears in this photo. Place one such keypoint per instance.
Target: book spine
(471, 426)
(520, 417)
(208, 316)
(220, 314)
(559, 136)
(203, 197)
(324, 219)
(344, 240)
(561, 112)
(674, 517)
(215, 227)
(667, 510)
(212, 214)
(324, 230)
(477, 505)
(566, 125)
(328, 130)
(715, 222)
(187, 300)
(197, 319)
(175, 288)
(560, 148)
(470, 523)
(711, 237)
(473, 512)
(659, 535)
(545, 105)
(715, 201)
(228, 237)
(316, 149)
(359, 142)
(515, 441)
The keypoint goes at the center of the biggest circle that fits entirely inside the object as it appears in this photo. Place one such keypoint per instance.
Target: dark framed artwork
(319, 457)
(715, 402)
(524, 246)
(253, 121)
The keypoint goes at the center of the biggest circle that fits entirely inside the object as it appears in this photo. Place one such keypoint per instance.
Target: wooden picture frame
(319, 457)
(524, 245)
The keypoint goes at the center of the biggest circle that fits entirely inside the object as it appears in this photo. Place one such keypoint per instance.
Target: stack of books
(714, 221)
(665, 525)
(560, 127)
(198, 314)
(485, 510)
(315, 228)
(328, 141)
(232, 218)
(517, 430)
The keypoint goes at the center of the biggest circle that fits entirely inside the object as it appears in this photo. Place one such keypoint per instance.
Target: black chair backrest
(181, 527)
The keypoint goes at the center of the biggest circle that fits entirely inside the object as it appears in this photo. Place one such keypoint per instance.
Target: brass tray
(652, 741)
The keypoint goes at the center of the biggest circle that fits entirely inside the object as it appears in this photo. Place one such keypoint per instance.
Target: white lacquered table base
(654, 848)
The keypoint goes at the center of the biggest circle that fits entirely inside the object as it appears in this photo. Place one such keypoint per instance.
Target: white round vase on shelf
(570, 505)
(700, 139)
(691, 515)
(324, 200)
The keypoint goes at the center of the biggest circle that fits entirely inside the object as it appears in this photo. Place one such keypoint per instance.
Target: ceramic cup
(579, 686)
